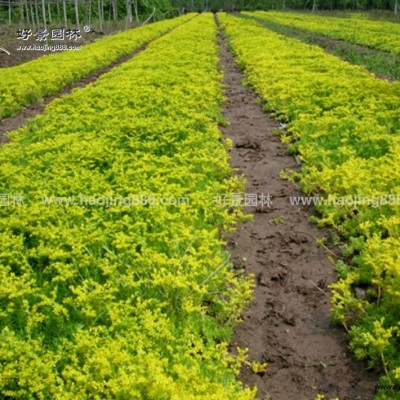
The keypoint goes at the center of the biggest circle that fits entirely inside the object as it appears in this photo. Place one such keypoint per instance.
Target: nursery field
(355, 38)
(135, 262)
(380, 35)
(24, 84)
(344, 124)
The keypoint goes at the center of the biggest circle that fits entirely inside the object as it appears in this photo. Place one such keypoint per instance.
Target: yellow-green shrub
(345, 125)
(123, 302)
(380, 35)
(29, 82)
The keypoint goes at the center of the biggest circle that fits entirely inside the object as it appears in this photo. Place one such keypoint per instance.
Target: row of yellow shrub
(345, 125)
(29, 82)
(376, 34)
(118, 302)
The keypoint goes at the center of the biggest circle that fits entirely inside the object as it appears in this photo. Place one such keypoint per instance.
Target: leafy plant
(113, 300)
(345, 124)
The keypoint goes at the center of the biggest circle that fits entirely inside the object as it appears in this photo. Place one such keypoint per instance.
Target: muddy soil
(288, 324)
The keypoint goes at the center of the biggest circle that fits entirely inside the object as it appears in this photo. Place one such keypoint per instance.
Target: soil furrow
(288, 324)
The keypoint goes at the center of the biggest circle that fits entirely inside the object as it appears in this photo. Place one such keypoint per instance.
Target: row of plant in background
(376, 34)
(345, 124)
(383, 64)
(24, 84)
(123, 302)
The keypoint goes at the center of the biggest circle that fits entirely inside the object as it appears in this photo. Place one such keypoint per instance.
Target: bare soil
(288, 324)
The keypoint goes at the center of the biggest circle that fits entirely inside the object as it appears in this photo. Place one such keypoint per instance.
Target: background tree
(40, 13)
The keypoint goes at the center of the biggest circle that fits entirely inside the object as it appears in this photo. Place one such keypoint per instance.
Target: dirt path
(288, 324)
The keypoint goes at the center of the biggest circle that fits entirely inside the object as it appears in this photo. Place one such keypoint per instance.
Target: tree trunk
(32, 15)
(115, 10)
(37, 14)
(28, 20)
(396, 7)
(22, 13)
(58, 13)
(49, 11)
(128, 14)
(99, 4)
(44, 14)
(90, 13)
(314, 5)
(9, 13)
(65, 12)
(77, 15)
(135, 7)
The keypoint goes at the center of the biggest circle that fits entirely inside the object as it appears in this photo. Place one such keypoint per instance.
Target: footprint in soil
(247, 143)
(277, 275)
